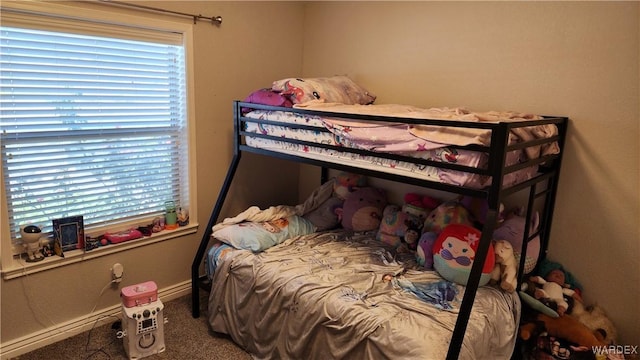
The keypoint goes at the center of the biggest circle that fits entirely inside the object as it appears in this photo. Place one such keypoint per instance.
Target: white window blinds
(92, 126)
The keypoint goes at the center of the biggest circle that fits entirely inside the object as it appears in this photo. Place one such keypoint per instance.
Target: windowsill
(20, 267)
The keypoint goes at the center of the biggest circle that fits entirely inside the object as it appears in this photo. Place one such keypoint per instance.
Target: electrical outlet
(117, 271)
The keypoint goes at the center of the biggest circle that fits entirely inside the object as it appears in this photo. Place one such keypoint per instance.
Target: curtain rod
(216, 20)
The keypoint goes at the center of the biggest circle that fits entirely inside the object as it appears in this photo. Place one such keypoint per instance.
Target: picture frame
(69, 232)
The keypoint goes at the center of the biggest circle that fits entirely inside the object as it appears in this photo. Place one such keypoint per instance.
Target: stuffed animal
(562, 289)
(565, 327)
(454, 252)
(553, 287)
(398, 227)
(362, 210)
(545, 306)
(512, 230)
(345, 183)
(419, 205)
(424, 251)
(449, 212)
(595, 318)
(546, 266)
(325, 216)
(505, 269)
(404, 226)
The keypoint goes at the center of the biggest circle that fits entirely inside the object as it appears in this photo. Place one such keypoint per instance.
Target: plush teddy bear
(595, 318)
(362, 209)
(505, 270)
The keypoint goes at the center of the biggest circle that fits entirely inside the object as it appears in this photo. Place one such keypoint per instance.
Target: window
(92, 123)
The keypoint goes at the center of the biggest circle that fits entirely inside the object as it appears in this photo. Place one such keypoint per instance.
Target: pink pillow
(267, 97)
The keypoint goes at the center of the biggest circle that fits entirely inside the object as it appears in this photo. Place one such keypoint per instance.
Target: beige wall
(257, 43)
(576, 59)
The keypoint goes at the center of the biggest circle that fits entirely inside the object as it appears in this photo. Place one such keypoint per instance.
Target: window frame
(26, 14)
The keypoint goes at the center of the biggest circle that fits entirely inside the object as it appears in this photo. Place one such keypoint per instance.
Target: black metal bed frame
(543, 186)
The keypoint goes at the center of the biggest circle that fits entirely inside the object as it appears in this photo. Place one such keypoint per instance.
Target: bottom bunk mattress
(335, 295)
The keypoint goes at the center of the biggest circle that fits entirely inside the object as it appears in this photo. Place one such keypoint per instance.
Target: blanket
(437, 136)
(337, 295)
(255, 214)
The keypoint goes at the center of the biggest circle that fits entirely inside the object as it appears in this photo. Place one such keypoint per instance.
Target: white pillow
(335, 89)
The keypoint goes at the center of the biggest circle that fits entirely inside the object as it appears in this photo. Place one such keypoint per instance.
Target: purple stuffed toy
(362, 210)
(424, 253)
(512, 230)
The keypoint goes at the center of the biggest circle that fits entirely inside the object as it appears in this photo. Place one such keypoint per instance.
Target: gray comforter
(324, 296)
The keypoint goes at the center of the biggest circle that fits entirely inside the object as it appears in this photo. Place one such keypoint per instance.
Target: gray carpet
(185, 338)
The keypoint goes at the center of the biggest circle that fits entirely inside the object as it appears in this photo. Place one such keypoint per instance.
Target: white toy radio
(142, 320)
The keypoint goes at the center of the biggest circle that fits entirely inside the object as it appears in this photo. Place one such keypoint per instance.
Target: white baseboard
(53, 334)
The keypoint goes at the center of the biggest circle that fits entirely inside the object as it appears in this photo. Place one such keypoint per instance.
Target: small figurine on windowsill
(30, 236)
(158, 224)
(183, 216)
(47, 249)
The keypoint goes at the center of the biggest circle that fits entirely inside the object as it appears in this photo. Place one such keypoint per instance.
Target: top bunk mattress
(450, 146)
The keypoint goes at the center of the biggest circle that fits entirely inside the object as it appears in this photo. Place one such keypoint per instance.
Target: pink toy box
(140, 294)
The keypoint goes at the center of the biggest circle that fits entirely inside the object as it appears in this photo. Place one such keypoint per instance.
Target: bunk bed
(497, 176)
